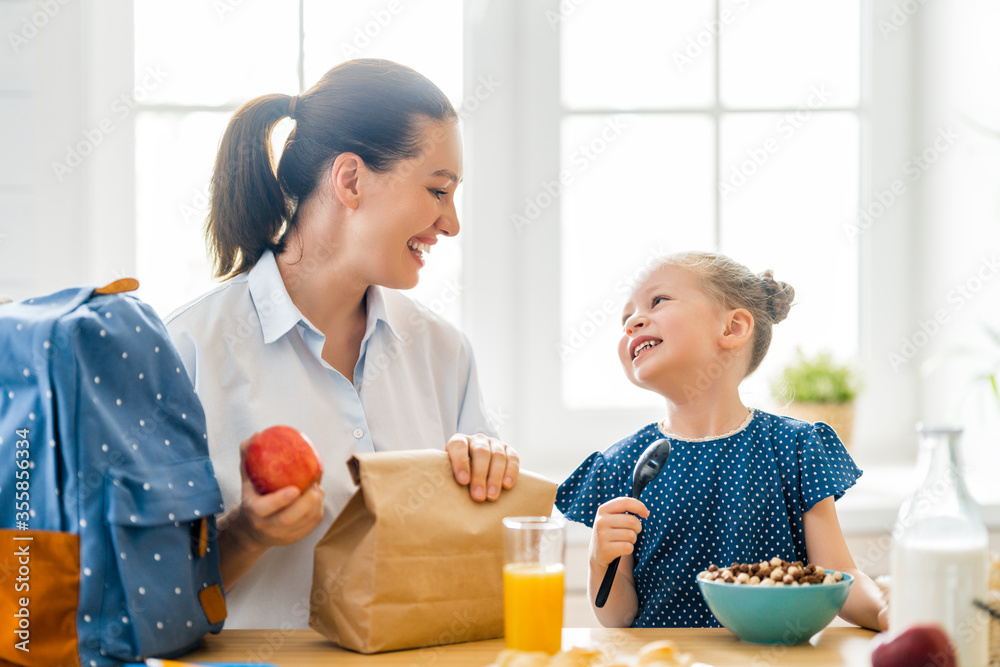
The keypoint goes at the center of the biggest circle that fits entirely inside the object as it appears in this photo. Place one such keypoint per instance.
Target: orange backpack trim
(40, 570)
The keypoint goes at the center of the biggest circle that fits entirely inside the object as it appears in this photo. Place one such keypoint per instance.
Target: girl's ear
(344, 177)
(739, 329)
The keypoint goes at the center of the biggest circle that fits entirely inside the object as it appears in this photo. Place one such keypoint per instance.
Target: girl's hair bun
(779, 296)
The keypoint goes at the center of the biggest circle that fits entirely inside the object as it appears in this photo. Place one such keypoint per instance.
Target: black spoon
(647, 468)
(987, 608)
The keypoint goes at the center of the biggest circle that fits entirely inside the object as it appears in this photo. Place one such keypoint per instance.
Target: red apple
(282, 456)
(916, 646)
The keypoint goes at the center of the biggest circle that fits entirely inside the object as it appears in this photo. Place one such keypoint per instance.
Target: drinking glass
(534, 582)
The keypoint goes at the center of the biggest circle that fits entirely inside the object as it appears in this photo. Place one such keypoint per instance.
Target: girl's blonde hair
(733, 285)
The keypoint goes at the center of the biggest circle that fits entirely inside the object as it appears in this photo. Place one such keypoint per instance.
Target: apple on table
(282, 456)
(917, 646)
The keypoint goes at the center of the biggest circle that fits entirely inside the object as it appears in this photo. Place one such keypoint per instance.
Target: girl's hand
(485, 464)
(282, 517)
(615, 532)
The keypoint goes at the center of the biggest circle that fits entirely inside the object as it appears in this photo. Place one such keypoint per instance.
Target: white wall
(957, 254)
(67, 176)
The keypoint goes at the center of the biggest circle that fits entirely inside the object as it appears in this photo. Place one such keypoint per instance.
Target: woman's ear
(739, 329)
(344, 177)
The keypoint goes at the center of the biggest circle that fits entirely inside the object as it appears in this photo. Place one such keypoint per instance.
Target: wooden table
(716, 647)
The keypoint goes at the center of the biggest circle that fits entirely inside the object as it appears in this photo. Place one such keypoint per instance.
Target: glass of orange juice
(533, 582)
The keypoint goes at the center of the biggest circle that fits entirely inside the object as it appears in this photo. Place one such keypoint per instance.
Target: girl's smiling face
(670, 330)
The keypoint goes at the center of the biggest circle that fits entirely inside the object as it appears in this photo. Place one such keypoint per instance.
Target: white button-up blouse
(256, 362)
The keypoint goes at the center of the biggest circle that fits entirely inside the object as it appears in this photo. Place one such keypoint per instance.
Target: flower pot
(838, 415)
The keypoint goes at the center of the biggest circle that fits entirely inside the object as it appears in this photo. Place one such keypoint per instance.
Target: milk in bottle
(940, 553)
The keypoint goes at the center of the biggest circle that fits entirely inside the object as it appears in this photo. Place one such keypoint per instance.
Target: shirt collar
(379, 310)
(278, 315)
(275, 310)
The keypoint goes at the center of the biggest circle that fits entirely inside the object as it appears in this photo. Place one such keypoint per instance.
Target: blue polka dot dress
(737, 498)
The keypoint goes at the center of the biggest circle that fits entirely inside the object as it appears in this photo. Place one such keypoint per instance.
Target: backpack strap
(119, 286)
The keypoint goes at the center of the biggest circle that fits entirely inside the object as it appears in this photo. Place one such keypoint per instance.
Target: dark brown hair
(373, 108)
(733, 285)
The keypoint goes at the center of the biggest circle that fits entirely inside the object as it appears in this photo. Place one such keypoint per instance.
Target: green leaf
(817, 379)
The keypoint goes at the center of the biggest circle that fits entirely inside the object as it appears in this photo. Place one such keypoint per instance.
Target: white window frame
(512, 306)
(511, 281)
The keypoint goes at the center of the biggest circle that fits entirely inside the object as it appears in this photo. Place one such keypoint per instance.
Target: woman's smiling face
(412, 205)
(670, 329)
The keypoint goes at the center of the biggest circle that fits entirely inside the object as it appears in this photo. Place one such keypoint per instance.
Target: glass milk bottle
(940, 552)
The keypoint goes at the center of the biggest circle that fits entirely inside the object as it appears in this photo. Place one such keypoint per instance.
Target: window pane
(212, 53)
(639, 187)
(174, 158)
(773, 53)
(798, 190)
(426, 36)
(634, 54)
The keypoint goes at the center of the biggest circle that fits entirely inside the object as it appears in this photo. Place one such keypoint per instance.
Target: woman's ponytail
(249, 208)
(373, 108)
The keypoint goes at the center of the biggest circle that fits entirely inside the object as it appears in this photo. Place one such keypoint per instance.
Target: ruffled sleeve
(825, 467)
(590, 486)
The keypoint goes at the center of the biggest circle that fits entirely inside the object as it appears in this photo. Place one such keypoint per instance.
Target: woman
(303, 332)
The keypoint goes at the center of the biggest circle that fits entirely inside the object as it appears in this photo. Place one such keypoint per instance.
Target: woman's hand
(260, 522)
(282, 517)
(615, 532)
(482, 463)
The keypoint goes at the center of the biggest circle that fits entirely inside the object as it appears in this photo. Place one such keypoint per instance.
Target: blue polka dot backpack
(107, 495)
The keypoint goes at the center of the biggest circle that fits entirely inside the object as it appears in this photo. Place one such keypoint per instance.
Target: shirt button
(358, 433)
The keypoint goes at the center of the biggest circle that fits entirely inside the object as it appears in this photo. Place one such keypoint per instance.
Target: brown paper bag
(412, 560)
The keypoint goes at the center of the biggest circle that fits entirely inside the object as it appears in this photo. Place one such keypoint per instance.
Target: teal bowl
(775, 614)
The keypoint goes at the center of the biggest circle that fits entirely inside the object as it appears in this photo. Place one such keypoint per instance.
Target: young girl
(308, 329)
(740, 485)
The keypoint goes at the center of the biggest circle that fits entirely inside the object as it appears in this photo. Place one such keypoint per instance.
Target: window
(707, 126)
(609, 133)
(233, 52)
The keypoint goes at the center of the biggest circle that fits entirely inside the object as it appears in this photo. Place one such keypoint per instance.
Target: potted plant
(818, 388)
